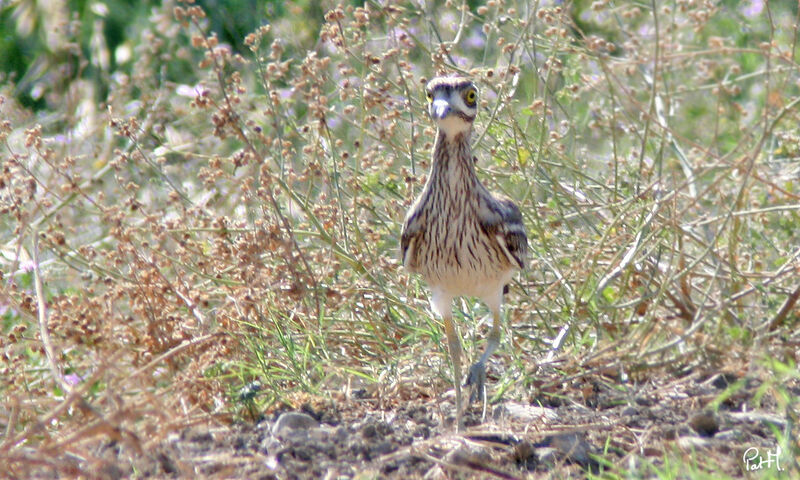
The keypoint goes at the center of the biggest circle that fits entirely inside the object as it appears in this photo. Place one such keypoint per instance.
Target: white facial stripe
(455, 100)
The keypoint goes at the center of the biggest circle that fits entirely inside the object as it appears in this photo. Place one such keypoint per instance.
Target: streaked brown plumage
(460, 237)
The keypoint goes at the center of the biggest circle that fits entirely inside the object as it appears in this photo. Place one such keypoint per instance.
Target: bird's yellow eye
(470, 96)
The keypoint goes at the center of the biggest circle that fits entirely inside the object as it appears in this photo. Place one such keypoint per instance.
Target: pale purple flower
(476, 39)
(752, 8)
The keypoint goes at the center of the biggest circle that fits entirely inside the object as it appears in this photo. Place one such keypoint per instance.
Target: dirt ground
(571, 430)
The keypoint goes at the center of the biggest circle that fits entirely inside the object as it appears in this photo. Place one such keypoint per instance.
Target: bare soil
(566, 430)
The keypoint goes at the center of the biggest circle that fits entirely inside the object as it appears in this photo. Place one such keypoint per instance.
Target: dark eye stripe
(449, 89)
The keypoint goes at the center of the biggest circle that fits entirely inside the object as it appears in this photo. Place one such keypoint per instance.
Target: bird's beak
(440, 108)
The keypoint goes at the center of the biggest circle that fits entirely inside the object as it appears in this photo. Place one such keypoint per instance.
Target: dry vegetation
(206, 233)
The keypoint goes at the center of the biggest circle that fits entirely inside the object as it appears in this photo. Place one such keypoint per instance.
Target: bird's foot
(476, 379)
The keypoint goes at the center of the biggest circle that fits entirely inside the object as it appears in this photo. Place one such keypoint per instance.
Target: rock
(705, 424)
(524, 413)
(291, 422)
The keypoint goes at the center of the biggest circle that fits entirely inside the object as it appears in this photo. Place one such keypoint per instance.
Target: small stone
(525, 455)
(524, 413)
(572, 447)
(630, 411)
(293, 421)
(469, 456)
(369, 431)
(724, 380)
(705, 424)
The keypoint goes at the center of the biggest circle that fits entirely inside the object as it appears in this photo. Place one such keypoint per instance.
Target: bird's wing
(412, 228)
(500, 218)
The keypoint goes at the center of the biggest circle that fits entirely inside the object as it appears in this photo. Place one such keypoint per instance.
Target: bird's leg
(454, 346)
(477, 372)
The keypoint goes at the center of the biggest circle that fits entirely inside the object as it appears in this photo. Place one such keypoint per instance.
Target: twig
(698, 321)
(457, 38)
(632, 249)
(13, 418)
(73, 396)
(235, 124)
(171, 353)
(787, 307)
(41, 308)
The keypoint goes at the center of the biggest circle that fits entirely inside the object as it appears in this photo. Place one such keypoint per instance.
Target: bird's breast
(453, 252)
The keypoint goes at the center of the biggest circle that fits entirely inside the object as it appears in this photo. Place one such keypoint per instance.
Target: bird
(461, 238)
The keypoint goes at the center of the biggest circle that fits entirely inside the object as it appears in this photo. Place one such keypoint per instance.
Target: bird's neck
(452, 159)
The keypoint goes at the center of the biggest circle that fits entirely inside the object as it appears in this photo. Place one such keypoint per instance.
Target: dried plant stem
(241, 135)
(195, 342)
(787, 307)
(44, 331)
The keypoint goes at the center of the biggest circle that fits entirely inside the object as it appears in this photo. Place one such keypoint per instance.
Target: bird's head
(452, 104)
